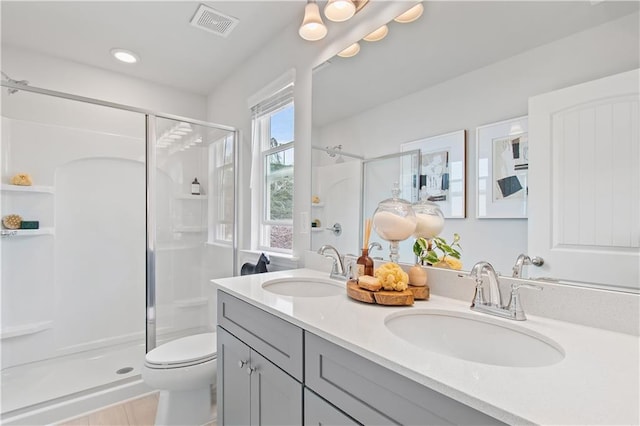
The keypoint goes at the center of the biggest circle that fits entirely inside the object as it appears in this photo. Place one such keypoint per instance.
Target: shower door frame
(150, 181)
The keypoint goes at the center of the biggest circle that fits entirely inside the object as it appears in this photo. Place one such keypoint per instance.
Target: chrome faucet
(337, 270)
(495, 298)
(522, 260)
(493, 306)
(373, 245)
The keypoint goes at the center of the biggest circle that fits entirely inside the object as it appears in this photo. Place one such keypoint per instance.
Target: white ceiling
(451, 38)
(172, 51)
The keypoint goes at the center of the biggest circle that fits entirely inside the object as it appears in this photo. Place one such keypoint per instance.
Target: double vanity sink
(466, 336)
(539, 371)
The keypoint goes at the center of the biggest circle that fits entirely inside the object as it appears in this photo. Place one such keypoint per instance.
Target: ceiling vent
(209, 19)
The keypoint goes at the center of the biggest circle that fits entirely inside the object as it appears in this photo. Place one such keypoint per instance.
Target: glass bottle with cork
(364, 262)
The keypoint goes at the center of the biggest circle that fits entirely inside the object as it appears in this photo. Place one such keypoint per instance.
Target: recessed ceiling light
(410, 15)
(125, 56)
(378, 34)
(350, 51)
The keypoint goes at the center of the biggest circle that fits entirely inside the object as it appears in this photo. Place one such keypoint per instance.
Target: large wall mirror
(460, 66)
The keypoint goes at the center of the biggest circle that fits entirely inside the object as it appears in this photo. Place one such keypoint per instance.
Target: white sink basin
(475, 338)
(305, 287)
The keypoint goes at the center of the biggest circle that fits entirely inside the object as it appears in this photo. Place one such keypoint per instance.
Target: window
(273, 171)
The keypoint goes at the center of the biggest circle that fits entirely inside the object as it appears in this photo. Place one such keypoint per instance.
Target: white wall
(228, 104)
(53, 73)
(494, 93)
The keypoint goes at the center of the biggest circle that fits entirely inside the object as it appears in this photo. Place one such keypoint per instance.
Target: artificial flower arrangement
(426, 251)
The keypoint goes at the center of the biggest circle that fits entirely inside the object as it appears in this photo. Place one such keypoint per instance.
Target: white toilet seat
(183, 352)
(185, 371)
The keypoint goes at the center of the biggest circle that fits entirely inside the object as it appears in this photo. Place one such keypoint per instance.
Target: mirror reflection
(463, 65)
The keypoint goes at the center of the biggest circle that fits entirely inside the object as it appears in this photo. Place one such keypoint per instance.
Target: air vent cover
(209, 19)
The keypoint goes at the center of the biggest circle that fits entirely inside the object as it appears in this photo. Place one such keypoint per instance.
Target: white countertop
(597, 382)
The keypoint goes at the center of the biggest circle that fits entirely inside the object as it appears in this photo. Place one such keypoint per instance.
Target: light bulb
(350, 51)
(339, 10)
(378, 34)
(410, 15)
(312, 27)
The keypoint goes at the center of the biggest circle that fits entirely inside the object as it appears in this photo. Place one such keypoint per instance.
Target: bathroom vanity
(326, 359)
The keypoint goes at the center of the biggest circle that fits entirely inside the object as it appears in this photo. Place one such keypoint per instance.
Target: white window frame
(260, 203)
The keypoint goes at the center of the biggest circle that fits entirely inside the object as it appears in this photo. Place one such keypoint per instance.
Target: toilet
(184, 370)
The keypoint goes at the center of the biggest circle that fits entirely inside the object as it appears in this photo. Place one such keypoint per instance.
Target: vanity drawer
(272, 337)
(374, 395)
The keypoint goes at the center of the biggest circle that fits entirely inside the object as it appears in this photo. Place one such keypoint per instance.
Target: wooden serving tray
(387, 297)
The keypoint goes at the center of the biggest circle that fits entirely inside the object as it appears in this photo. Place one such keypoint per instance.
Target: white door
(584, 181)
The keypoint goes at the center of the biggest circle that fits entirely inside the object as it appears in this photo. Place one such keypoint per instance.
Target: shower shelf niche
(8, 233)
(19, 189)
(191, 197)
(34, 188)
(25, 330)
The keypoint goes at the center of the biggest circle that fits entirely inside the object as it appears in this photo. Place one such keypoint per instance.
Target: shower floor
(45, 381)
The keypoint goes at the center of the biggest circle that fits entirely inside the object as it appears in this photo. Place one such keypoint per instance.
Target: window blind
(273, 103)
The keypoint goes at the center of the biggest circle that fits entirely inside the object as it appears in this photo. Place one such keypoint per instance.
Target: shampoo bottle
(195, 187)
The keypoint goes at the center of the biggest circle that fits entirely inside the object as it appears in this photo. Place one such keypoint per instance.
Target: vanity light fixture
(350, 51)
(339, 10)
(125, 56)
(410, 15)
(378, 34)
(312, 27)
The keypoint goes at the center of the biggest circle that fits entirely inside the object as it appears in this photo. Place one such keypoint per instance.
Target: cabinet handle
(241, 363)
(250, 370)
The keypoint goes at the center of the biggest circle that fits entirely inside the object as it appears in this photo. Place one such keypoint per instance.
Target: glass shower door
(194, 225)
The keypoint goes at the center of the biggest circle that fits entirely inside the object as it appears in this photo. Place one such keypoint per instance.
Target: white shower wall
(83, 286)
(73, 289)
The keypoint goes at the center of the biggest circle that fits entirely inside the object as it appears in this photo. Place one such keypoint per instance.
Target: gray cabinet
(276, 397)
(261, 379)
(234, 384)
(255, 388)
(318, 412)
(375, 395)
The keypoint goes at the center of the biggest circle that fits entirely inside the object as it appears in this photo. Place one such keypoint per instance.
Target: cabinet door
(319, 412)
(278, 340)
(584, 181)
(233, 381)
(276, 398)
(374, 395)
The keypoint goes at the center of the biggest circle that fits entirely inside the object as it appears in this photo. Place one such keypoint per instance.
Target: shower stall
(116, 249)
